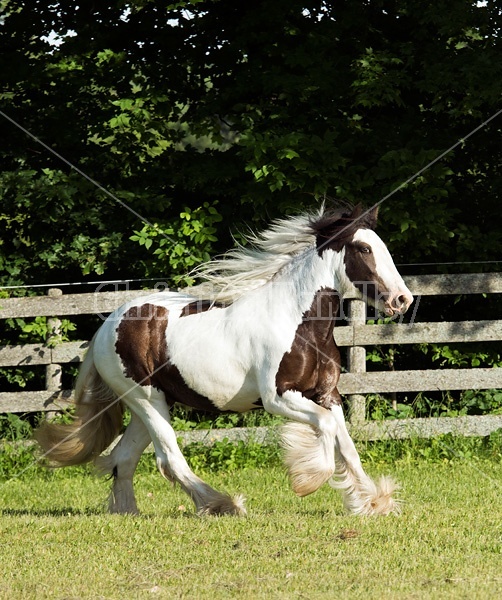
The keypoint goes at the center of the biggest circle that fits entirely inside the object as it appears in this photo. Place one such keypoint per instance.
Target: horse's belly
(245, 399)
(215, 397)
(227, 389)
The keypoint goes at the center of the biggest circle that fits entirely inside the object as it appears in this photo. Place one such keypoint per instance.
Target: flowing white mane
(248, 267)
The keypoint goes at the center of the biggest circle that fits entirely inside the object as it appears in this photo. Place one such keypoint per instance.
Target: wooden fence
(355, 336)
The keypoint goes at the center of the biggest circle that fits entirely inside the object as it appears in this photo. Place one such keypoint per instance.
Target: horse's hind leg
(121, 464)
(154, 413)
(361, 495)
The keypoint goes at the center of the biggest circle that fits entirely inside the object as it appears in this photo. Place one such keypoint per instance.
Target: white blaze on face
(399, 296)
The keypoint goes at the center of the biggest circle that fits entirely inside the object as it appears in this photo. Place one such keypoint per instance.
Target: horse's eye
(365, 249)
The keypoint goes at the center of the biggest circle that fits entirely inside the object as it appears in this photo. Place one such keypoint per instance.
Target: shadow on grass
(66, 511)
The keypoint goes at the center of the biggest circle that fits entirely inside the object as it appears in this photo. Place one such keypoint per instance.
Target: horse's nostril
(399, 301)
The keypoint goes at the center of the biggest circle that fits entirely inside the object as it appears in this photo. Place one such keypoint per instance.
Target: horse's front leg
(361, 495)
(308, 441)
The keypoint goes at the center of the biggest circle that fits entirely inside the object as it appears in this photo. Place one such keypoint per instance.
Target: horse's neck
(309, 271)
(295, 287)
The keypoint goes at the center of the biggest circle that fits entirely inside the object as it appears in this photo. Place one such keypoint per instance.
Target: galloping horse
(257, 332)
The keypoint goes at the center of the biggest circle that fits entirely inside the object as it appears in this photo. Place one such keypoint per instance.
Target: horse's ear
(366, 218)
(372, 217)
(357, 211)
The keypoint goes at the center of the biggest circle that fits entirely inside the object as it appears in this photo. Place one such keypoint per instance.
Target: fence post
(53, 381)
(356, 362)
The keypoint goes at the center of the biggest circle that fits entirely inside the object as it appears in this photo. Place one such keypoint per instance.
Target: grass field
(56, 541)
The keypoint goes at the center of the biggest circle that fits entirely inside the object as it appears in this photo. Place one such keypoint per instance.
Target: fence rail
(355, 337)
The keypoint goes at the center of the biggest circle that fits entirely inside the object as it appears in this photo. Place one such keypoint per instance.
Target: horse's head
(365, 266)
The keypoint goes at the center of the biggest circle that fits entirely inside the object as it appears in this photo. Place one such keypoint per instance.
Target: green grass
(56, 541)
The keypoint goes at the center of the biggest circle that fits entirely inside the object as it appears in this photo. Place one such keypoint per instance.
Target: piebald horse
(257, 332)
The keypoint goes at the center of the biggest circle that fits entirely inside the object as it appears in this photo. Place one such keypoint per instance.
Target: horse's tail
(96, 423)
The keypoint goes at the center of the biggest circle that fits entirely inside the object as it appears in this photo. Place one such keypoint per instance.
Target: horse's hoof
(224, 505)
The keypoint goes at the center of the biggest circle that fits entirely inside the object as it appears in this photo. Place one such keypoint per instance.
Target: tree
(250, 109)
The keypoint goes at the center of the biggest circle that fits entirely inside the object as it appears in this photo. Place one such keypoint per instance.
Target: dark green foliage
(440, 404)
(15, 460)
(185, 419)
(229, 456)
(14, 428)
(442, 448)
(255, 105)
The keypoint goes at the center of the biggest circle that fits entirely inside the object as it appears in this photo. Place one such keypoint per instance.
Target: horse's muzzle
(398, 303)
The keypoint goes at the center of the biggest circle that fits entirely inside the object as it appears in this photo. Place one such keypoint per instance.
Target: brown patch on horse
(360, 267)
(142, 347)
(312, 366)
(141, 342)
(199, 306)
